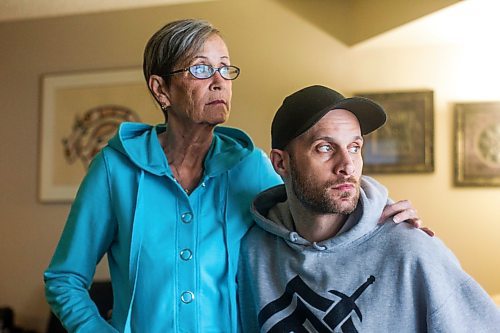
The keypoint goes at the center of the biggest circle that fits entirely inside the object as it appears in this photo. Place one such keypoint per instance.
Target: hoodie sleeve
(448, 298)
(467, 309)
(86, 237)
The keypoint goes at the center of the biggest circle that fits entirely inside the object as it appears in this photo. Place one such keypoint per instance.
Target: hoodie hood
(229, 146)
(272, 214)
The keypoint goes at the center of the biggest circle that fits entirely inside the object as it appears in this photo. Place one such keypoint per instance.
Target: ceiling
(27, 9)
(353, 21)
(349, 21)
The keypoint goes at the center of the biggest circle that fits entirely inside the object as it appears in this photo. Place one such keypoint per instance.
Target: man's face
(326, 164)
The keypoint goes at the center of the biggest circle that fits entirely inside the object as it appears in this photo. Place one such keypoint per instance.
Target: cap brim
(370, 115)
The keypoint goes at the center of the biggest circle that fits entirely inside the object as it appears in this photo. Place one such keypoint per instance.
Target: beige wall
(278, 52)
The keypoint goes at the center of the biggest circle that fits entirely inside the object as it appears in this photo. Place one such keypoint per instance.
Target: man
(318, 261)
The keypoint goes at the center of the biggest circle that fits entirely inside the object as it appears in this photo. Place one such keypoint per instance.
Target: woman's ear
(158, 88)
(280, 160)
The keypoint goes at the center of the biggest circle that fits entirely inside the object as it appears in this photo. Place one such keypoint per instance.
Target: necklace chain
(177, 179)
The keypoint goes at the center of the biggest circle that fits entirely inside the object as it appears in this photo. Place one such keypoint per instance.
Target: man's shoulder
(406, 234)
(407, 241)
(255, 235)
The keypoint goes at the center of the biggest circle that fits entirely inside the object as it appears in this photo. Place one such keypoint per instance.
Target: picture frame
(405, 144)
(477, 144)
(79, 112)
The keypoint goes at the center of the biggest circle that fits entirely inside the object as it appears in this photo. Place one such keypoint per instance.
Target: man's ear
(158, 88)
(280, 160)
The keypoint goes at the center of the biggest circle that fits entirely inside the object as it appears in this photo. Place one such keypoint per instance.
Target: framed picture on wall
(477, 144)
(405, 143)
(80, 112)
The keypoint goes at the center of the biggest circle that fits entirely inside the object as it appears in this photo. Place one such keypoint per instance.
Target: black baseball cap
(304, 108)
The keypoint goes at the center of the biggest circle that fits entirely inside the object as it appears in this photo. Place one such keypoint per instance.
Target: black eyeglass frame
(215, 70)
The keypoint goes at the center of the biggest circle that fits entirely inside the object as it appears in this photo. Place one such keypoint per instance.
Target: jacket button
(187, 297)
(187, 217)
(186, 254)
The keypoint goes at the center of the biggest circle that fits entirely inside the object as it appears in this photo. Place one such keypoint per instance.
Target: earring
(163, 107)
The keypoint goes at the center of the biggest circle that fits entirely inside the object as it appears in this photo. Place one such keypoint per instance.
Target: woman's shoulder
(257, 165)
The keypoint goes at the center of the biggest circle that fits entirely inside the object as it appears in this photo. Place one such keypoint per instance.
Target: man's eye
(354, 149)
(325, 148)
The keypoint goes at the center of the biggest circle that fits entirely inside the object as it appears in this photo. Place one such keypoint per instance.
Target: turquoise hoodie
(172, 257)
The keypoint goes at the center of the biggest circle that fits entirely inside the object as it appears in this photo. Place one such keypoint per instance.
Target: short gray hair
(174, 45)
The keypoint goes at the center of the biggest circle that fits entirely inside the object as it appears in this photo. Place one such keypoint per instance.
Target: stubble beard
(317, 197)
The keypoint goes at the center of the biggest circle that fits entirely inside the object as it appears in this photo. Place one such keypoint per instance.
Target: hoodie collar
(139, 142)
(271, 213)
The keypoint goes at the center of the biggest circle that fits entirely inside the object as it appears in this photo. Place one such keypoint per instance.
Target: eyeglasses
(203, 72)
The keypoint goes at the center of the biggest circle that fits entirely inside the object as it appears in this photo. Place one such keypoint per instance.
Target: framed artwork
(405, 143)
(80, 112)
(477, 144)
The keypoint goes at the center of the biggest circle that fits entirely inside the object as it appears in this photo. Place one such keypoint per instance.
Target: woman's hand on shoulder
(403, 211)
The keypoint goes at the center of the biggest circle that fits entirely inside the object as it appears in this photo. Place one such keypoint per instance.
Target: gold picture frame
(405, 144)
(477, 144)
(79, 112)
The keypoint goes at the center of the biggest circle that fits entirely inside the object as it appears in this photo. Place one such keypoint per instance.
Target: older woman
(168, 204)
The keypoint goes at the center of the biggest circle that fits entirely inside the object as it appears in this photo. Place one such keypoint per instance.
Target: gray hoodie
(368, 278)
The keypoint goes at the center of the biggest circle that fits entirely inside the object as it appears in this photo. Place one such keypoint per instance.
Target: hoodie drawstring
(135, 251)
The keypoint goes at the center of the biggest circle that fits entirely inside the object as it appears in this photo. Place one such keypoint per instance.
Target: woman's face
(205, 101)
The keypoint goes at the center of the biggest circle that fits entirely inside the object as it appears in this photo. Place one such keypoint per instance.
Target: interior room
(448, 47)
